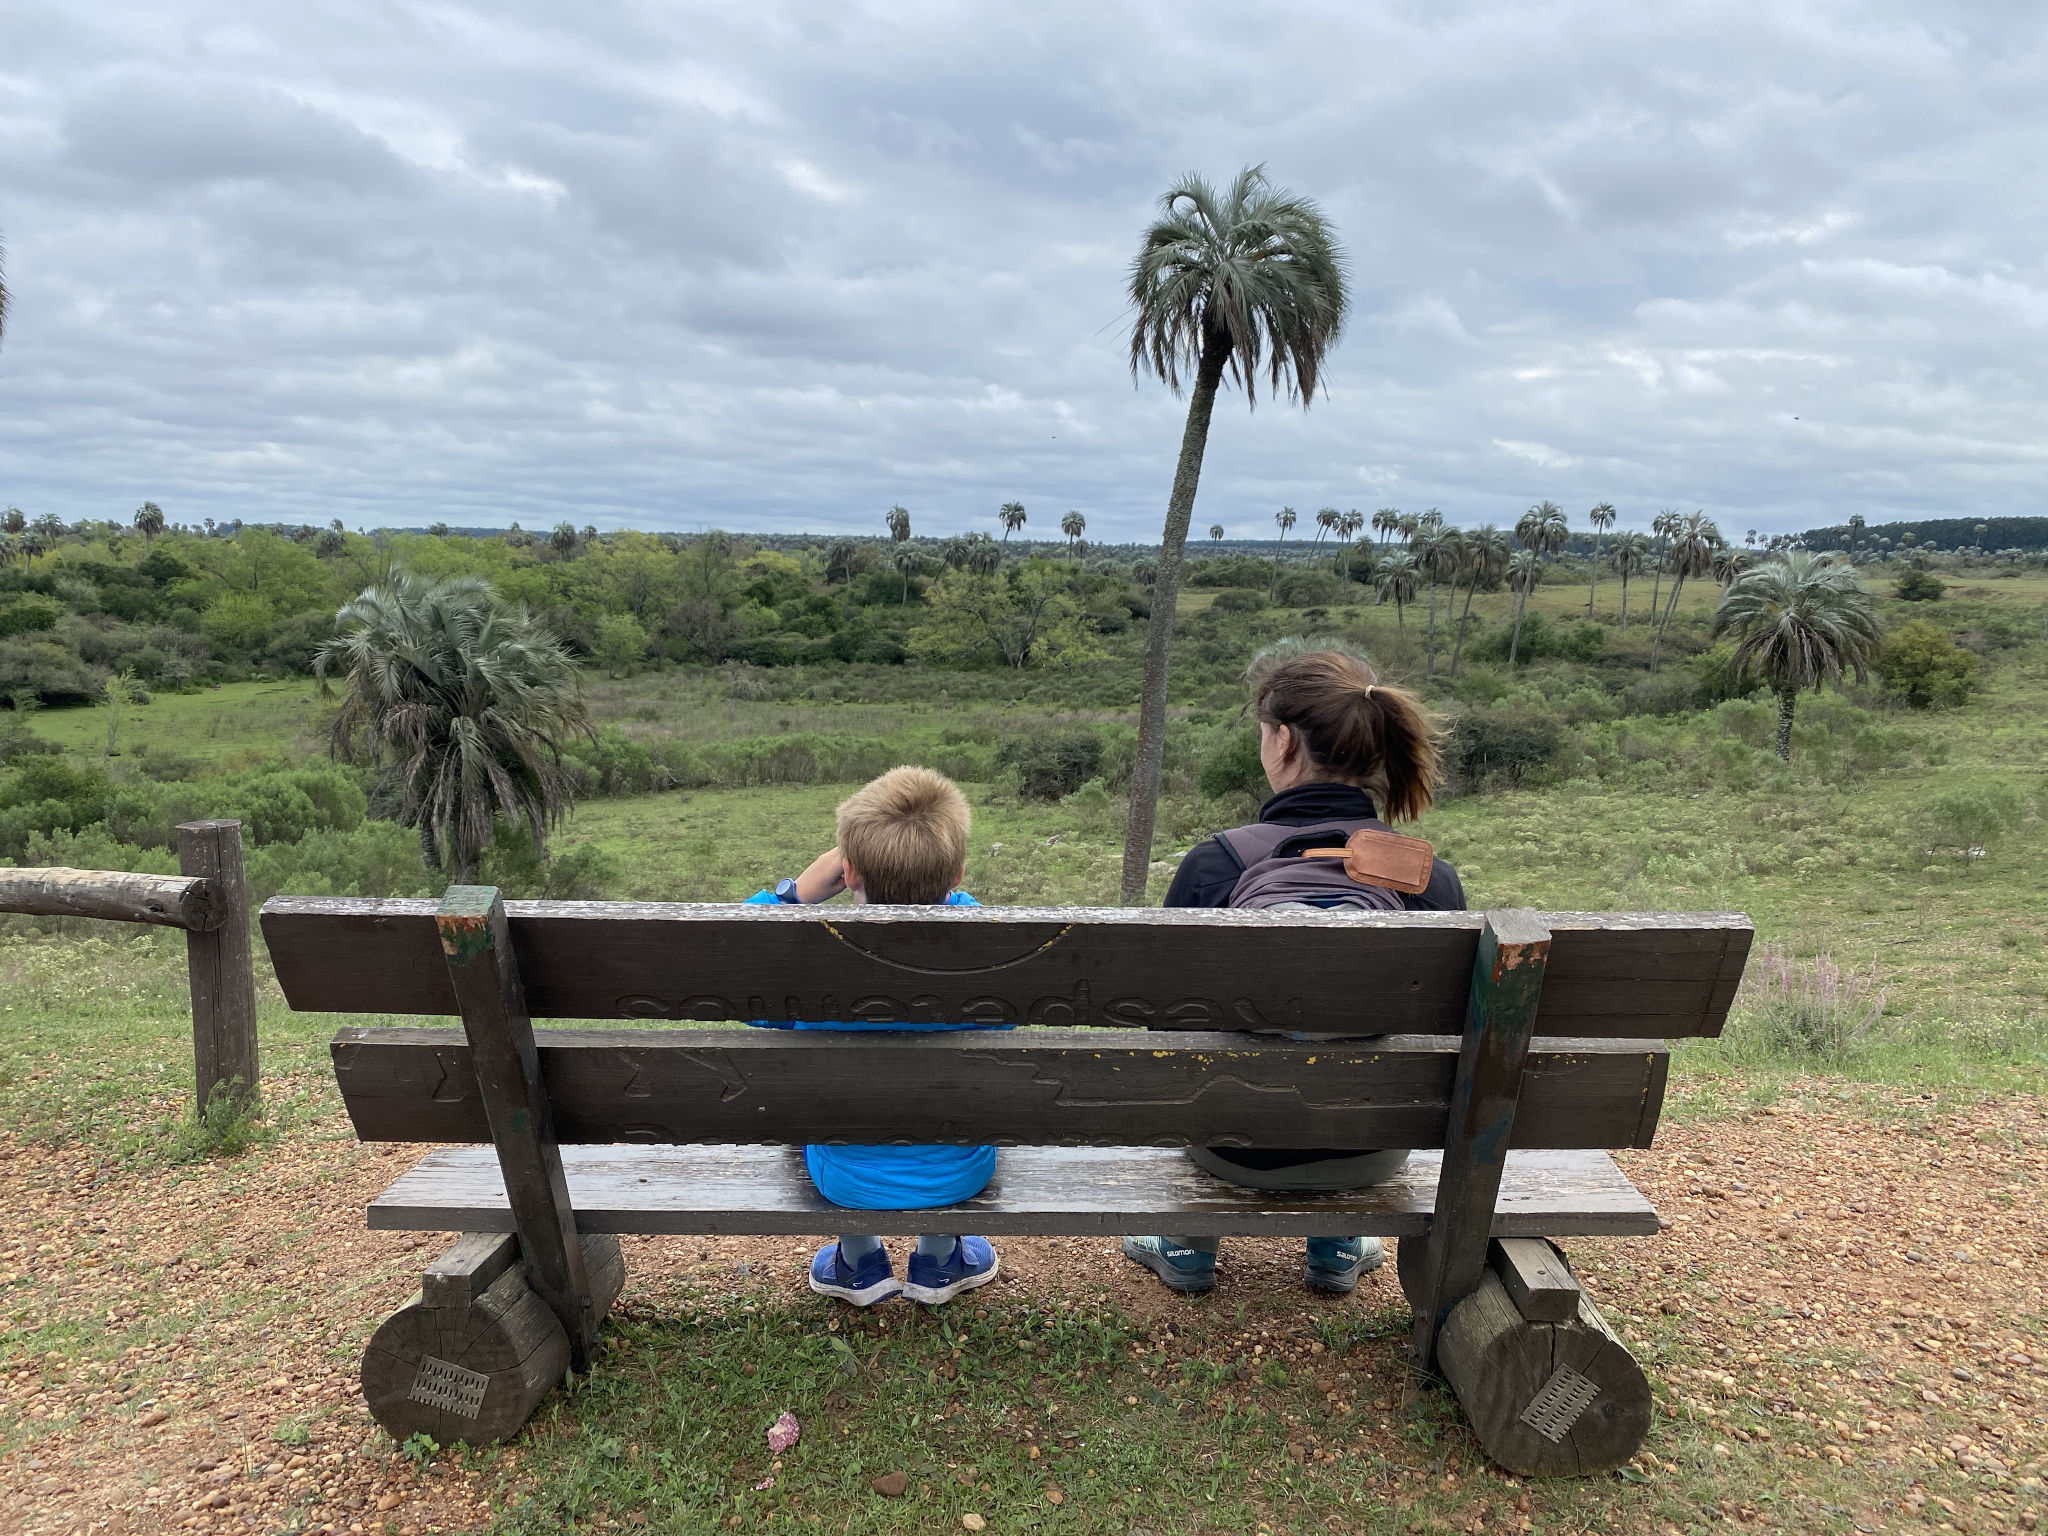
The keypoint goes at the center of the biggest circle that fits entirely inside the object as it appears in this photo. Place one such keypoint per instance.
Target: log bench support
(473, 1357)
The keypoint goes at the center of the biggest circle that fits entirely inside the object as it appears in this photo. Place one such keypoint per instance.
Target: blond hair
(1354, 728)
(905, 834)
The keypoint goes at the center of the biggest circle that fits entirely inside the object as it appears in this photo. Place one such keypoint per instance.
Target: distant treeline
(1991, 534)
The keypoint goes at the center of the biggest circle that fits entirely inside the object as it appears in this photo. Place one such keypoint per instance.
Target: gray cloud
(782, 266)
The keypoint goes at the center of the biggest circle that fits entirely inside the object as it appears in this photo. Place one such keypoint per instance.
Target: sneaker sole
(1173, 1279)
(866, 1296)
(1344, 1282)
(939, 1295)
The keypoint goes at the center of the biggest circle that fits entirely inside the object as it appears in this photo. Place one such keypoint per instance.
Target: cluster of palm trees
(22, 539)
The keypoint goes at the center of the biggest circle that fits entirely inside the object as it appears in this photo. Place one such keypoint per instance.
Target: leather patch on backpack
(1372, 857)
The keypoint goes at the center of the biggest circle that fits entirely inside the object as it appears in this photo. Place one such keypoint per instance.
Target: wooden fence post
(222, 973)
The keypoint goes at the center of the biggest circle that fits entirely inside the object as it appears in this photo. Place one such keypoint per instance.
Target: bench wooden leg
(474, 1356)
(1549, 1388)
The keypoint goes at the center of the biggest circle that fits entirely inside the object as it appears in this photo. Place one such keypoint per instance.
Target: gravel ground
(201, 1326)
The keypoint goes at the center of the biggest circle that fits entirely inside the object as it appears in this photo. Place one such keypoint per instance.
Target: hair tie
(1369, 688)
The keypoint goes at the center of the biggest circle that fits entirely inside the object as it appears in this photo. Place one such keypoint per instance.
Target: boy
(902, 840)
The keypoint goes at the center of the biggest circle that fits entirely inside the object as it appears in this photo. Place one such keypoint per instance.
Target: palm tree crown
(899, 523)
(1222, 283)
(1073, 525)
(467, 705)
(1012, 516)
(1216, 532)
(1630, 557)
(149, 521)
(1799, 621)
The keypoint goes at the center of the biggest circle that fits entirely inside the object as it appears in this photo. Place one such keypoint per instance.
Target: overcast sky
(778, 266)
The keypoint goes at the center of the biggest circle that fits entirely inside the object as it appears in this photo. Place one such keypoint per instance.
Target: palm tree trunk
(1400, 613)
(1515, 642)
(1656, 586)
(1677, 586)
(1180, 506)
(1463, 618)
(1593, 577)
(1429, 667)
(1272, 586)
(1788, 700)
(1624, 605)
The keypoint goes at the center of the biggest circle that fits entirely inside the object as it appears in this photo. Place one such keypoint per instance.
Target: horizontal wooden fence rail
(171, 901)
(210, 901)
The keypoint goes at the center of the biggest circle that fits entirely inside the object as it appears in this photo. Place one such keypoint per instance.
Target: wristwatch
(785, 892)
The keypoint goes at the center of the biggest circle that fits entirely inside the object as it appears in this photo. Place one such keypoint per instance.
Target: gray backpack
(1361, 864)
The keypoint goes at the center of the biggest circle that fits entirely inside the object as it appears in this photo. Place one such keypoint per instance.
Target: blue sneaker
(1335, 1263)
(936, 1282)
(862, 1284)
(1187, 1270)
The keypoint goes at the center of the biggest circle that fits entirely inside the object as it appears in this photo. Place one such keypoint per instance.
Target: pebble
(973, 1522)
(891, 1485)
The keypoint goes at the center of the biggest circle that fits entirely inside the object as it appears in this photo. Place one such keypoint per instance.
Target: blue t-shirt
(882, 1178)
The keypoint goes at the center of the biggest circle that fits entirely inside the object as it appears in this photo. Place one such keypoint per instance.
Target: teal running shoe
(1335, 1263)
(1190, 1271)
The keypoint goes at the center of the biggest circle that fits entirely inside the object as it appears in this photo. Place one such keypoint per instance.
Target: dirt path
(201, 1327)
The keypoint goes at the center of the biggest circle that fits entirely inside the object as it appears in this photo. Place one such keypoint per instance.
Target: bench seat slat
(1058, 1087)
(1609, 974)
(732, 1190)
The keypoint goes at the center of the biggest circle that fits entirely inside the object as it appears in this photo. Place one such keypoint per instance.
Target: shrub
(1969, 820)
(1234, 769)
(1504, 745)
(28, 614)
(587, 873)
(1812, 1010)
(1714, 677)
(1053, 767)
(1918, 586)
(1239, 600)
(1308, 588)
(1924, 667)
(1540, 637)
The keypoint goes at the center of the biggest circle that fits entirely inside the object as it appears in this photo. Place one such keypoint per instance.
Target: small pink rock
(784, 1433)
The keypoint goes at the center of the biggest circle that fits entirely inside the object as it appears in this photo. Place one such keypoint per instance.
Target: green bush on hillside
(1234, 769)
(1918, 586)
(1924, 667)
(1509, 746)
(1052, 767)
(1969, 821)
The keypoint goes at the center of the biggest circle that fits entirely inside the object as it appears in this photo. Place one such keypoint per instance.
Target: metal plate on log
(450, 1387)
(1558, 1403)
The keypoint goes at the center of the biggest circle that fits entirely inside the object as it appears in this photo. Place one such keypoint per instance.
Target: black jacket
(1209, 871)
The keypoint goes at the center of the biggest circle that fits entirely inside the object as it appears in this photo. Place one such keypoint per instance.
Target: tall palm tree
(464, 702)
(1540, 531)
(1405, 528)
(1631, 553)
(907, 561)
(1484, 558)
(1437, 550)
(1729, 563)
(1662, 527)
(149, 520)
(1221, 281)
(1073, 525)
(1285, 519)
(1524, 565)
(1216, 532)
(1384, 522)
(1602, 518)
(1326, 524)
(1347, 530)
(1395, 578)
(13, 520)
(1799, 621)
(1012, 516)
(563, 539)
(898, 520)
(1694, 543)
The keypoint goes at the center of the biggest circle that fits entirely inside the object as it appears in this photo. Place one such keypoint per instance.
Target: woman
(1339, 747)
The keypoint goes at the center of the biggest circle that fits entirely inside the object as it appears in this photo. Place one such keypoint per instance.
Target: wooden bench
(1513, 1049)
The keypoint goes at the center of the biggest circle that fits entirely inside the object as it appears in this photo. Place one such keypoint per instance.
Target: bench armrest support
(477, 943)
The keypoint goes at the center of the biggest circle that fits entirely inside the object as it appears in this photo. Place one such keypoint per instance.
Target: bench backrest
(1608, 976)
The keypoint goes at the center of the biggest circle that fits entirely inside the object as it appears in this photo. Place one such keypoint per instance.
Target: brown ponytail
(1354, 728)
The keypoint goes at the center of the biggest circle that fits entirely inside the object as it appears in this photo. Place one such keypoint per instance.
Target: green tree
(465, 703)
(1073, 525)
(899, 523)
(1221, 282)
(1799, 621)
(908, 563)
(1541, 531)
(1011, 515)
(1923, 666)
(1029, 615)
(1284, 520)
(1436, 550)
(1483, 556)
(1602, 518)
(1327, 520)
(621, 644)
(1630, 555)
(1695, 539)
(1395, 578)
(1915, 585)
(149, 521)
(1384, 524)
(1216, 532)
(1347, 529)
